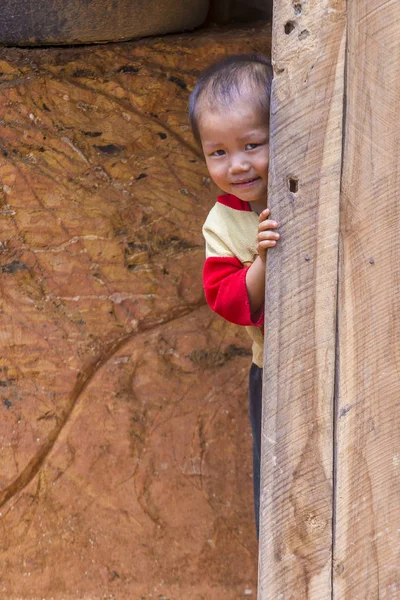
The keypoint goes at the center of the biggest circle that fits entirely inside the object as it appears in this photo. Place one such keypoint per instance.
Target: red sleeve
(224, 280)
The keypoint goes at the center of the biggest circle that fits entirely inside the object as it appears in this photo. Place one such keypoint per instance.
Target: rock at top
(32, 23)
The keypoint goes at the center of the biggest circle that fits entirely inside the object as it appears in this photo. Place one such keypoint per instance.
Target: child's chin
(251, 195)
(251, 198)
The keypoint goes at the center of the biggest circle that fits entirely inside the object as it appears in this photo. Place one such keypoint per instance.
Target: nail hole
(293, 185)
(304, 34)
(289, 26)
(339, 568)
(297, 9)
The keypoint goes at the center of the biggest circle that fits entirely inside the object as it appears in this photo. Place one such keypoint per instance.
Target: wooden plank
(367, 556)
(306, 138)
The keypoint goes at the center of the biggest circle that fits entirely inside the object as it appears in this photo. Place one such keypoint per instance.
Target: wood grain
(367, 546)
(297, 453)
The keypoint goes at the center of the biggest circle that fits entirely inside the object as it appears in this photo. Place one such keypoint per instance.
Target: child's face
(236, 148)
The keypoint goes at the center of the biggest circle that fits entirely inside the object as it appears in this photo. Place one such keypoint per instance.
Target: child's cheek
(213, 169)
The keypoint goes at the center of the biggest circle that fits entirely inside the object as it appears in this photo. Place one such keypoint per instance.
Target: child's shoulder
(230, 229)
(228, 205)
(232, 202)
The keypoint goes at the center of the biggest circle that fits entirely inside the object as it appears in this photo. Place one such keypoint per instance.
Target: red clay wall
(125, 454)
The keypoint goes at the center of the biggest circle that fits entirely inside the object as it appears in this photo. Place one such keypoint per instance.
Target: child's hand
(266, 238)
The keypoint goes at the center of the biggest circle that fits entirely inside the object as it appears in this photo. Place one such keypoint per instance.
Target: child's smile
(236, 147)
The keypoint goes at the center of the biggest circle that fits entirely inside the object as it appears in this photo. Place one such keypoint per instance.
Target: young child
(229, 115)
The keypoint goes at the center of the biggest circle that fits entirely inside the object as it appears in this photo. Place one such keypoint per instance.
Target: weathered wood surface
(306, 128)
(125, 455)
(32, 23)
(367, 546)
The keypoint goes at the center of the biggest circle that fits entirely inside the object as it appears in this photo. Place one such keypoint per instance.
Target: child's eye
(218, 153)
(251, 146)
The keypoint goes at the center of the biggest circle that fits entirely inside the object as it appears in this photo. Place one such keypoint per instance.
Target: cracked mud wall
(125, 448)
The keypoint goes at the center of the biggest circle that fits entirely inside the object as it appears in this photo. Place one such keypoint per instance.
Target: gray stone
(32, 23)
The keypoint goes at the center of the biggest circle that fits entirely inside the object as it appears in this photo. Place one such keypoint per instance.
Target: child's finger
(267, 244)
(264, 214)
(268, 224)
(268, 235)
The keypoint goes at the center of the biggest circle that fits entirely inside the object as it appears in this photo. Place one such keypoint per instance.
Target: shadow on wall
(239, 11)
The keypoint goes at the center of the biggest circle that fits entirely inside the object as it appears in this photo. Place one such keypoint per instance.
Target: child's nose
(238, 164)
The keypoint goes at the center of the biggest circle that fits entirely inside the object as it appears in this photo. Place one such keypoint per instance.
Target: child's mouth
(246, 182)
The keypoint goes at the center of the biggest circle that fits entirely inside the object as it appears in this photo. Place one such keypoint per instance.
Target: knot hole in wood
(289, 26)
(293, 184)
(298, 9)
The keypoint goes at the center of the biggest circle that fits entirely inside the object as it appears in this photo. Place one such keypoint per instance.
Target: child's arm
(225, 276)
(255, 276)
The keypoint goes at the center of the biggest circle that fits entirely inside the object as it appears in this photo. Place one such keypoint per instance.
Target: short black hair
(222, 82)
